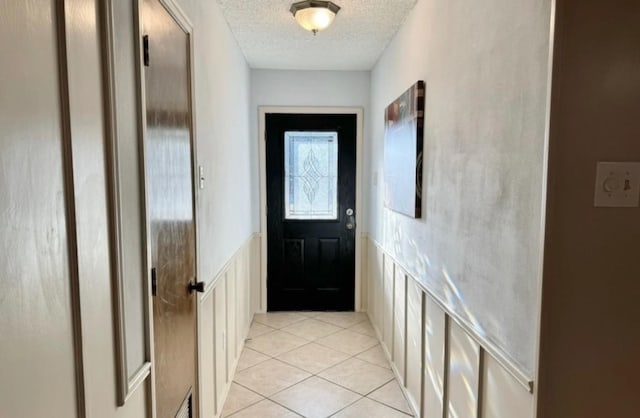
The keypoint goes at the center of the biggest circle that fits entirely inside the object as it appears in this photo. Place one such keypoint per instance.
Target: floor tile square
(342, 319)
(376, 356)
(265, 409)
(348, 342)
(391, 395)
(358, 375)
(315, 398)
(270, 377)
(275, 343)
(239, 398)
(309, 314)
(311, 329)
(363, 327)
(257, 329)
(278, 319)
(369, 409)
(249, 358)
(313, 358)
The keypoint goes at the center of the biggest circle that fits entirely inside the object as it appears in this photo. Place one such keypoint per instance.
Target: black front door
(311, 184)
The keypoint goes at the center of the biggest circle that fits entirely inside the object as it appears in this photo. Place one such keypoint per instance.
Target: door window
(311, 175)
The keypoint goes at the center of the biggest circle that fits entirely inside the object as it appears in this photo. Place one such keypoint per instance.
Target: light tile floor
(315, 365)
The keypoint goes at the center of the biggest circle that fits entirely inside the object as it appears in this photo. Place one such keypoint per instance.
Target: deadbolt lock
(351, 220)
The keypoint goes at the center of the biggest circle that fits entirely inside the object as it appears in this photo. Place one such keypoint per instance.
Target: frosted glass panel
(311, 175)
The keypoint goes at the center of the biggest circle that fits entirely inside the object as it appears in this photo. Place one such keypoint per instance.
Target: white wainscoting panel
(220, 352)
(232, 340)
(400, 322)
(435, 344)
(364, 271)
(225, 313)
(375, 279)
(445, 369)
(387, 310)
(255, 279)
(464, 374)
(414, 328)
(243, 291)
(502, 396)
(206, 358)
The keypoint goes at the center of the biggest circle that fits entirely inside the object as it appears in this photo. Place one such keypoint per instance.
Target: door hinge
(145, 50)
(154, 282)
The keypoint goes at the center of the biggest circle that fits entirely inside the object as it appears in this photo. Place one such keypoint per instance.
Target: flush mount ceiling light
(314, 15)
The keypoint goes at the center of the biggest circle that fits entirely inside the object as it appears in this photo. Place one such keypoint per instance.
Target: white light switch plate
(618, 185)
(201, 177)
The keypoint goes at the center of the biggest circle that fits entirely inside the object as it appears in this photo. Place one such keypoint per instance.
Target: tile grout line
(370, 362)
(346, 406)
(344, 387)
(387, 405)
(314, 341)
(321, 371)
(320, 377)
(262, 398)
(284, 406)
(319, 318)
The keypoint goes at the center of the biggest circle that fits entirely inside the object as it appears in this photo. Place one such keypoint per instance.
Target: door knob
(197, 286)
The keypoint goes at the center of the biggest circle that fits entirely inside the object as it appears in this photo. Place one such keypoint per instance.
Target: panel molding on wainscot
(225, 311)
(444, 367)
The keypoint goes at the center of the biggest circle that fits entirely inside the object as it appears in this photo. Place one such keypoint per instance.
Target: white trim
(178, 15)
(262, 111)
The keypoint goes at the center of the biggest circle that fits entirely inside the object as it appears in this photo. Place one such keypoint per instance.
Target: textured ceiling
(271, 38)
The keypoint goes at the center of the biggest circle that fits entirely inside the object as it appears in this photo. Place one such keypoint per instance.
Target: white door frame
(262, 111)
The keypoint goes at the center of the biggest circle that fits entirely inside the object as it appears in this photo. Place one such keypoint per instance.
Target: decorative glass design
(311, 175)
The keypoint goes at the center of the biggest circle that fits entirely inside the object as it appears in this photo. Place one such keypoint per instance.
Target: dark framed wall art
(403, 148)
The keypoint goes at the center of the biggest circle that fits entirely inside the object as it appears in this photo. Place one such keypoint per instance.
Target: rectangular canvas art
(403, 144)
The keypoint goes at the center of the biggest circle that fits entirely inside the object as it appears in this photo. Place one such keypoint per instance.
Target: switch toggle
(617, 184)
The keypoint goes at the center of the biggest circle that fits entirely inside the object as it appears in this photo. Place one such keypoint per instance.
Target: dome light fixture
(314, 15)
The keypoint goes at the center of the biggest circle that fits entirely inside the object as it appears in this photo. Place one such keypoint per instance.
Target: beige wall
(55, 234)
(590, 338)
(36, 337)
(478, 245)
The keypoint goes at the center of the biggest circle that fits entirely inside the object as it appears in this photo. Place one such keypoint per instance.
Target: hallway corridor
(316, 365)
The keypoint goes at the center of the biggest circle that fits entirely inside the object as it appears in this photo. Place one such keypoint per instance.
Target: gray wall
(222, 80)
(477, 246)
